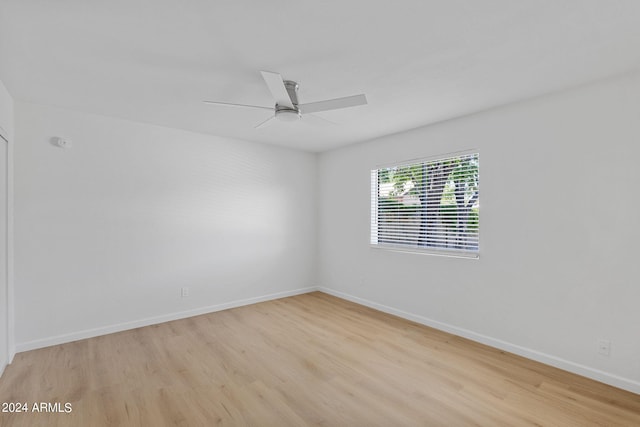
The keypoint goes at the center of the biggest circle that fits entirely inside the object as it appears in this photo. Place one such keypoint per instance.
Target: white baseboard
(90, 333)
(576, 368)
(4, 365)
(547, 359)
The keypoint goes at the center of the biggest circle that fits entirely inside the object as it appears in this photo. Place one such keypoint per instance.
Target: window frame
(399, 247)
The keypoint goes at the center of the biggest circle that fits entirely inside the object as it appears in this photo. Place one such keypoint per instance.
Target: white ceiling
(418, 62)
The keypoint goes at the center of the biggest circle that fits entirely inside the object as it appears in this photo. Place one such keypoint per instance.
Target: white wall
(559, 231)
(108, 231)
(6, 289)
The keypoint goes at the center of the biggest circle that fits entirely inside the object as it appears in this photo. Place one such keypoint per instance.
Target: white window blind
(427, 206)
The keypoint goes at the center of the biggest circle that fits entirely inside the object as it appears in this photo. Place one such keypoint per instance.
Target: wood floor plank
(312, 360)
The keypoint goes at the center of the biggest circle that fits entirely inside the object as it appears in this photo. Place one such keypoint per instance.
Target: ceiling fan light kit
(287, 107)
(287, 115)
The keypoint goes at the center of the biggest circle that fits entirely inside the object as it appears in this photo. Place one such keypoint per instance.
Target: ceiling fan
(287, 108)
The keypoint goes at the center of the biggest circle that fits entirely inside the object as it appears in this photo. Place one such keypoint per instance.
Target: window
(427, 206)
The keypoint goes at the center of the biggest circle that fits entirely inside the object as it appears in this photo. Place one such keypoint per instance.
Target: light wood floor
(307, 360)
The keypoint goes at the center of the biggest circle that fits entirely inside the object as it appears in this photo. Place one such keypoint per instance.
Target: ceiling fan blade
(276, 87)
(227, 104)
(261, 124)
(333, 104)
(317, 120)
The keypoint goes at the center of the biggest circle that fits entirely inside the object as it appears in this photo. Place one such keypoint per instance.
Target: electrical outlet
(604, 347)
(184, 292)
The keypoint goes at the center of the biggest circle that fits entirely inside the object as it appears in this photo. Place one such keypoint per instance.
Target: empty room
(356, 213)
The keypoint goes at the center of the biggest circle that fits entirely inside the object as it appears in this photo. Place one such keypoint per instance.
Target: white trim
(94, 332)
(426, 251)
(7, 146)
(547, 359)
(407, 162)
(10, 254)
(566, 365)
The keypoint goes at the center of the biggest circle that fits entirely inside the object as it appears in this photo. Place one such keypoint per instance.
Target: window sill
(426, 251)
